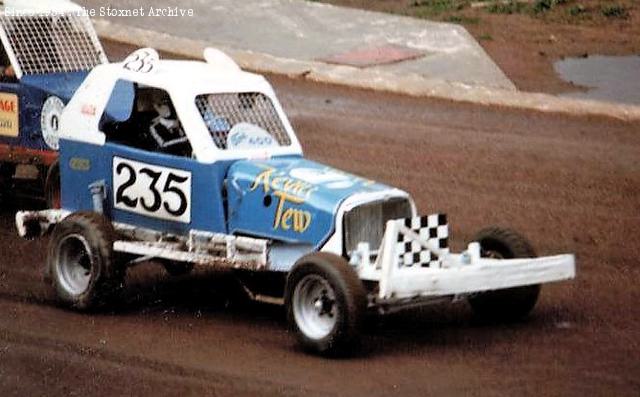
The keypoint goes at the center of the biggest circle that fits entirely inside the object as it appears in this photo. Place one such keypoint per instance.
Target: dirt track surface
(569, 184)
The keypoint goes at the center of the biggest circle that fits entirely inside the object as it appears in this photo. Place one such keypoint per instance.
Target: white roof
(183, 81)
(195, 77)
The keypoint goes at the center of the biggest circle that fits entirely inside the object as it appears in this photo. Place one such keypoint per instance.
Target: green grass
(566, 10)
(562, 11)
(463, 20)
(615, 11)
(577, 10)
(520, 7)
(512, 7)
(540, 6)
(429, 8)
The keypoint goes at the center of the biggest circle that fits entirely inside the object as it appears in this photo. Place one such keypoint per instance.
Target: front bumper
(414, 263)
(478, 276)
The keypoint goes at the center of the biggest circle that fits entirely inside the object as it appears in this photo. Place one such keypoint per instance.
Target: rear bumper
(22, 155)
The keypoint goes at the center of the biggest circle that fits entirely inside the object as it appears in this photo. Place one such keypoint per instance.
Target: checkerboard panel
(433, 228)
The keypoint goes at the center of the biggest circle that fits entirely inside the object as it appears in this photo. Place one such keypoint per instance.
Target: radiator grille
(366, 223)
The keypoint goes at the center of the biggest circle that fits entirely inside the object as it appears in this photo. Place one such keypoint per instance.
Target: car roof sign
(143, 60)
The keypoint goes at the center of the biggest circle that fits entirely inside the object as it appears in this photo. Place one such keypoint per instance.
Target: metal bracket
(98, 190)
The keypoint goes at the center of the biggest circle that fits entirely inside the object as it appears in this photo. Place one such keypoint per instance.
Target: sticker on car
(9, 114)
(152, 190)
(50, 121)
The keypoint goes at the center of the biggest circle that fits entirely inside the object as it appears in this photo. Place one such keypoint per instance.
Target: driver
(7, 73)
(165, 129)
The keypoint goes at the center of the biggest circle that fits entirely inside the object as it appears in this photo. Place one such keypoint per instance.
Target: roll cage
(82, 119)
(57, 39)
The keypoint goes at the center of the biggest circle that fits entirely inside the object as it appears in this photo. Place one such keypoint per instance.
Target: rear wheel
(504, 304)
(7, 170)
(177, 268)
(52, 186)
(326, 303)
(81, 264)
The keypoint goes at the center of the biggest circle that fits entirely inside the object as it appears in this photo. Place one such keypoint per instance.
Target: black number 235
(133, 192)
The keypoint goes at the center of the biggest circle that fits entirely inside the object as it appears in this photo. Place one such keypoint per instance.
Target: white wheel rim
(314, 307)
(74, 264)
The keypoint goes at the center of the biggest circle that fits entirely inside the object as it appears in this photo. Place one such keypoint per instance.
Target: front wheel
(81, 265)
(505, 304)
(326, 303)
(176, 269)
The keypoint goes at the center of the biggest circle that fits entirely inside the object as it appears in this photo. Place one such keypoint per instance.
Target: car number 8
(152, 190)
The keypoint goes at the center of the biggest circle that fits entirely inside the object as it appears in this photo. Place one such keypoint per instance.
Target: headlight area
(366, 223)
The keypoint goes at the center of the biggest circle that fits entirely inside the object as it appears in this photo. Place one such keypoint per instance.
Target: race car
(47, 48)
(205, 169)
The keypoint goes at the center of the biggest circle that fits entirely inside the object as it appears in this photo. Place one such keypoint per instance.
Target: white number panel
(152, 190)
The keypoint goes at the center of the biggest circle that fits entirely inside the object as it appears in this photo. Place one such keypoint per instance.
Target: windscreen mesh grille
(222, 111)
(53, 44)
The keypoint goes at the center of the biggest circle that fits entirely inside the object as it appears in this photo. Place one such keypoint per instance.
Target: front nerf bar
(414, 262)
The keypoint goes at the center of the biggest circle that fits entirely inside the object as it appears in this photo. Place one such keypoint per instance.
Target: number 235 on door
(152, 190)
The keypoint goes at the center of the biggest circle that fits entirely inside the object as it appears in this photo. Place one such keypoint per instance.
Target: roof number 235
(141, 61)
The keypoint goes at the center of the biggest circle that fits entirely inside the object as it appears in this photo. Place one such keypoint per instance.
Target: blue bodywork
(286, 199)
(33, 90)
(207, 209)
(289, 199)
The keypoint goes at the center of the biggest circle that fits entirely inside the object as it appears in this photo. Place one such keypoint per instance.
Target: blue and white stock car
(46, 51)
(205, 169)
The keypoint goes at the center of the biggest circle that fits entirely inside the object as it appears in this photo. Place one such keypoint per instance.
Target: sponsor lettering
(291, 194)
(7, 105)
(9, 124)
(80, 164)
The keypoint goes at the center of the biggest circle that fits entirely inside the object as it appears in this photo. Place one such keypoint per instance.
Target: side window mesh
(221, 112)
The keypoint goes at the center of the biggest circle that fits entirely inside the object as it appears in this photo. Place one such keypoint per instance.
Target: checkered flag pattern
(432, 228)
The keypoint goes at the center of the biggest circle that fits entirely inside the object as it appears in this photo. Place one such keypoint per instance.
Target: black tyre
(81, 264)
(177, 268)
(52, 186)
(505, 304)
(7, 170)
(326, 304)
